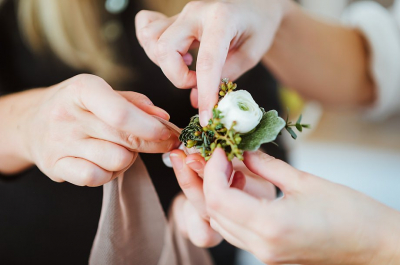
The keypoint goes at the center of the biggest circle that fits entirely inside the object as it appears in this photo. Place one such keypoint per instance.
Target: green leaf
(292, 133)
(299, 120)
(266, 131)
(298, 126)
(307, 126)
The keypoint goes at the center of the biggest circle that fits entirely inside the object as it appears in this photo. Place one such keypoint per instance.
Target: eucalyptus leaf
(299, 120)
(292, 133)
(266, 131)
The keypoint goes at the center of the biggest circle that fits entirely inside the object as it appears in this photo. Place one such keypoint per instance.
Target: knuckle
(120, 118)
(133, 142)
(221, 10)
(192, 5)
(60, 113)
(89, 176)
(79, 82)
(142, 15)
(122, 158)
(145, 34)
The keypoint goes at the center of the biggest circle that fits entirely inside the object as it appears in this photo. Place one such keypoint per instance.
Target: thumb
(217, 172)
(274, 170)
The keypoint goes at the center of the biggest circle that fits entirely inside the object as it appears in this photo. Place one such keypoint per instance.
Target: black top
(43, 222)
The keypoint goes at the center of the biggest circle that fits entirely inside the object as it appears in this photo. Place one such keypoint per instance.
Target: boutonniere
(238, 125)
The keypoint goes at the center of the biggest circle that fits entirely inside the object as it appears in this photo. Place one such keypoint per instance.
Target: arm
(80, 131)
(14, 110)
(322, 61)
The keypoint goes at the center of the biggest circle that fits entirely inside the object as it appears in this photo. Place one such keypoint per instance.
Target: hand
(234, 35)
(316, 222)
(190, 211)
(83, 131)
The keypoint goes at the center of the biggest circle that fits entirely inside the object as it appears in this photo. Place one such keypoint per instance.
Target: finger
(96, 96)
(178, 214)
(194, 98)
(145, 104)
(199, 230)
(274, 170)
(150, 34)
(226, 235)
(107, 155)
(173, 44)
(220, 198)
(241, 60)
(196, 163)
(188, 59)
(214, 46)
(80, 172)
(190, 183)
(240, 236)
(145, 17)
(95, 128)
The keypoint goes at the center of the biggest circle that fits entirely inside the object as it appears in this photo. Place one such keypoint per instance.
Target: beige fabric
(133, 228)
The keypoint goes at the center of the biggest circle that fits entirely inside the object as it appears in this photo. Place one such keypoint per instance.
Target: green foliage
(215, 135)
(266, 131)
(297, 125)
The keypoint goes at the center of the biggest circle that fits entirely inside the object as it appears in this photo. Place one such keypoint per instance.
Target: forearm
(322, 61)
(14, 114)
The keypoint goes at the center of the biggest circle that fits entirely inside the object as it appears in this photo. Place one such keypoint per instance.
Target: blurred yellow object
(291, 100)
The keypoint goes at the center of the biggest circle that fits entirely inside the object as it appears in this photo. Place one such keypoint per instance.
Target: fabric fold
(133, 228)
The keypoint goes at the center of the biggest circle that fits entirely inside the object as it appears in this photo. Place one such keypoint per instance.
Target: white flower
(239, 106)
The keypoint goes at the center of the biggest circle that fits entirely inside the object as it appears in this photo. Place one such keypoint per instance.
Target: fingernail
(188, 59)
(164, 112)
(204, 118)
(176, 161)
(195, 165)
(165, 134)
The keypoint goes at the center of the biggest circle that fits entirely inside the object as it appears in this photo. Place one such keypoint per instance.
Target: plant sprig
(215, 135)
(298, 125)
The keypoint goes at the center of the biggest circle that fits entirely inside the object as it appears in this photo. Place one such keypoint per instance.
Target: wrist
(31, 121)
(20, 111)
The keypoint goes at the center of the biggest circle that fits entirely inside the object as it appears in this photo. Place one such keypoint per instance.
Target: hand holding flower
(315, 222)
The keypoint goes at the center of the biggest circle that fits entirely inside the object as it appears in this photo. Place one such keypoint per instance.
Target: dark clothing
(40, 220)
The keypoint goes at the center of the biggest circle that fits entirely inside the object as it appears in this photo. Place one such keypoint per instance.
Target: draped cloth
(133, 228)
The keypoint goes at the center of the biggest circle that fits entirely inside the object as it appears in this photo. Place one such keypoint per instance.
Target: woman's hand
(234, 36)
(316, 222)
(82, 131)
(190, 209)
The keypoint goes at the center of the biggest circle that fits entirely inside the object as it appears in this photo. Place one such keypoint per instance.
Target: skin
(80, 130)
(325, 62)
(322, 61)
(294, 229)
(190, 209)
